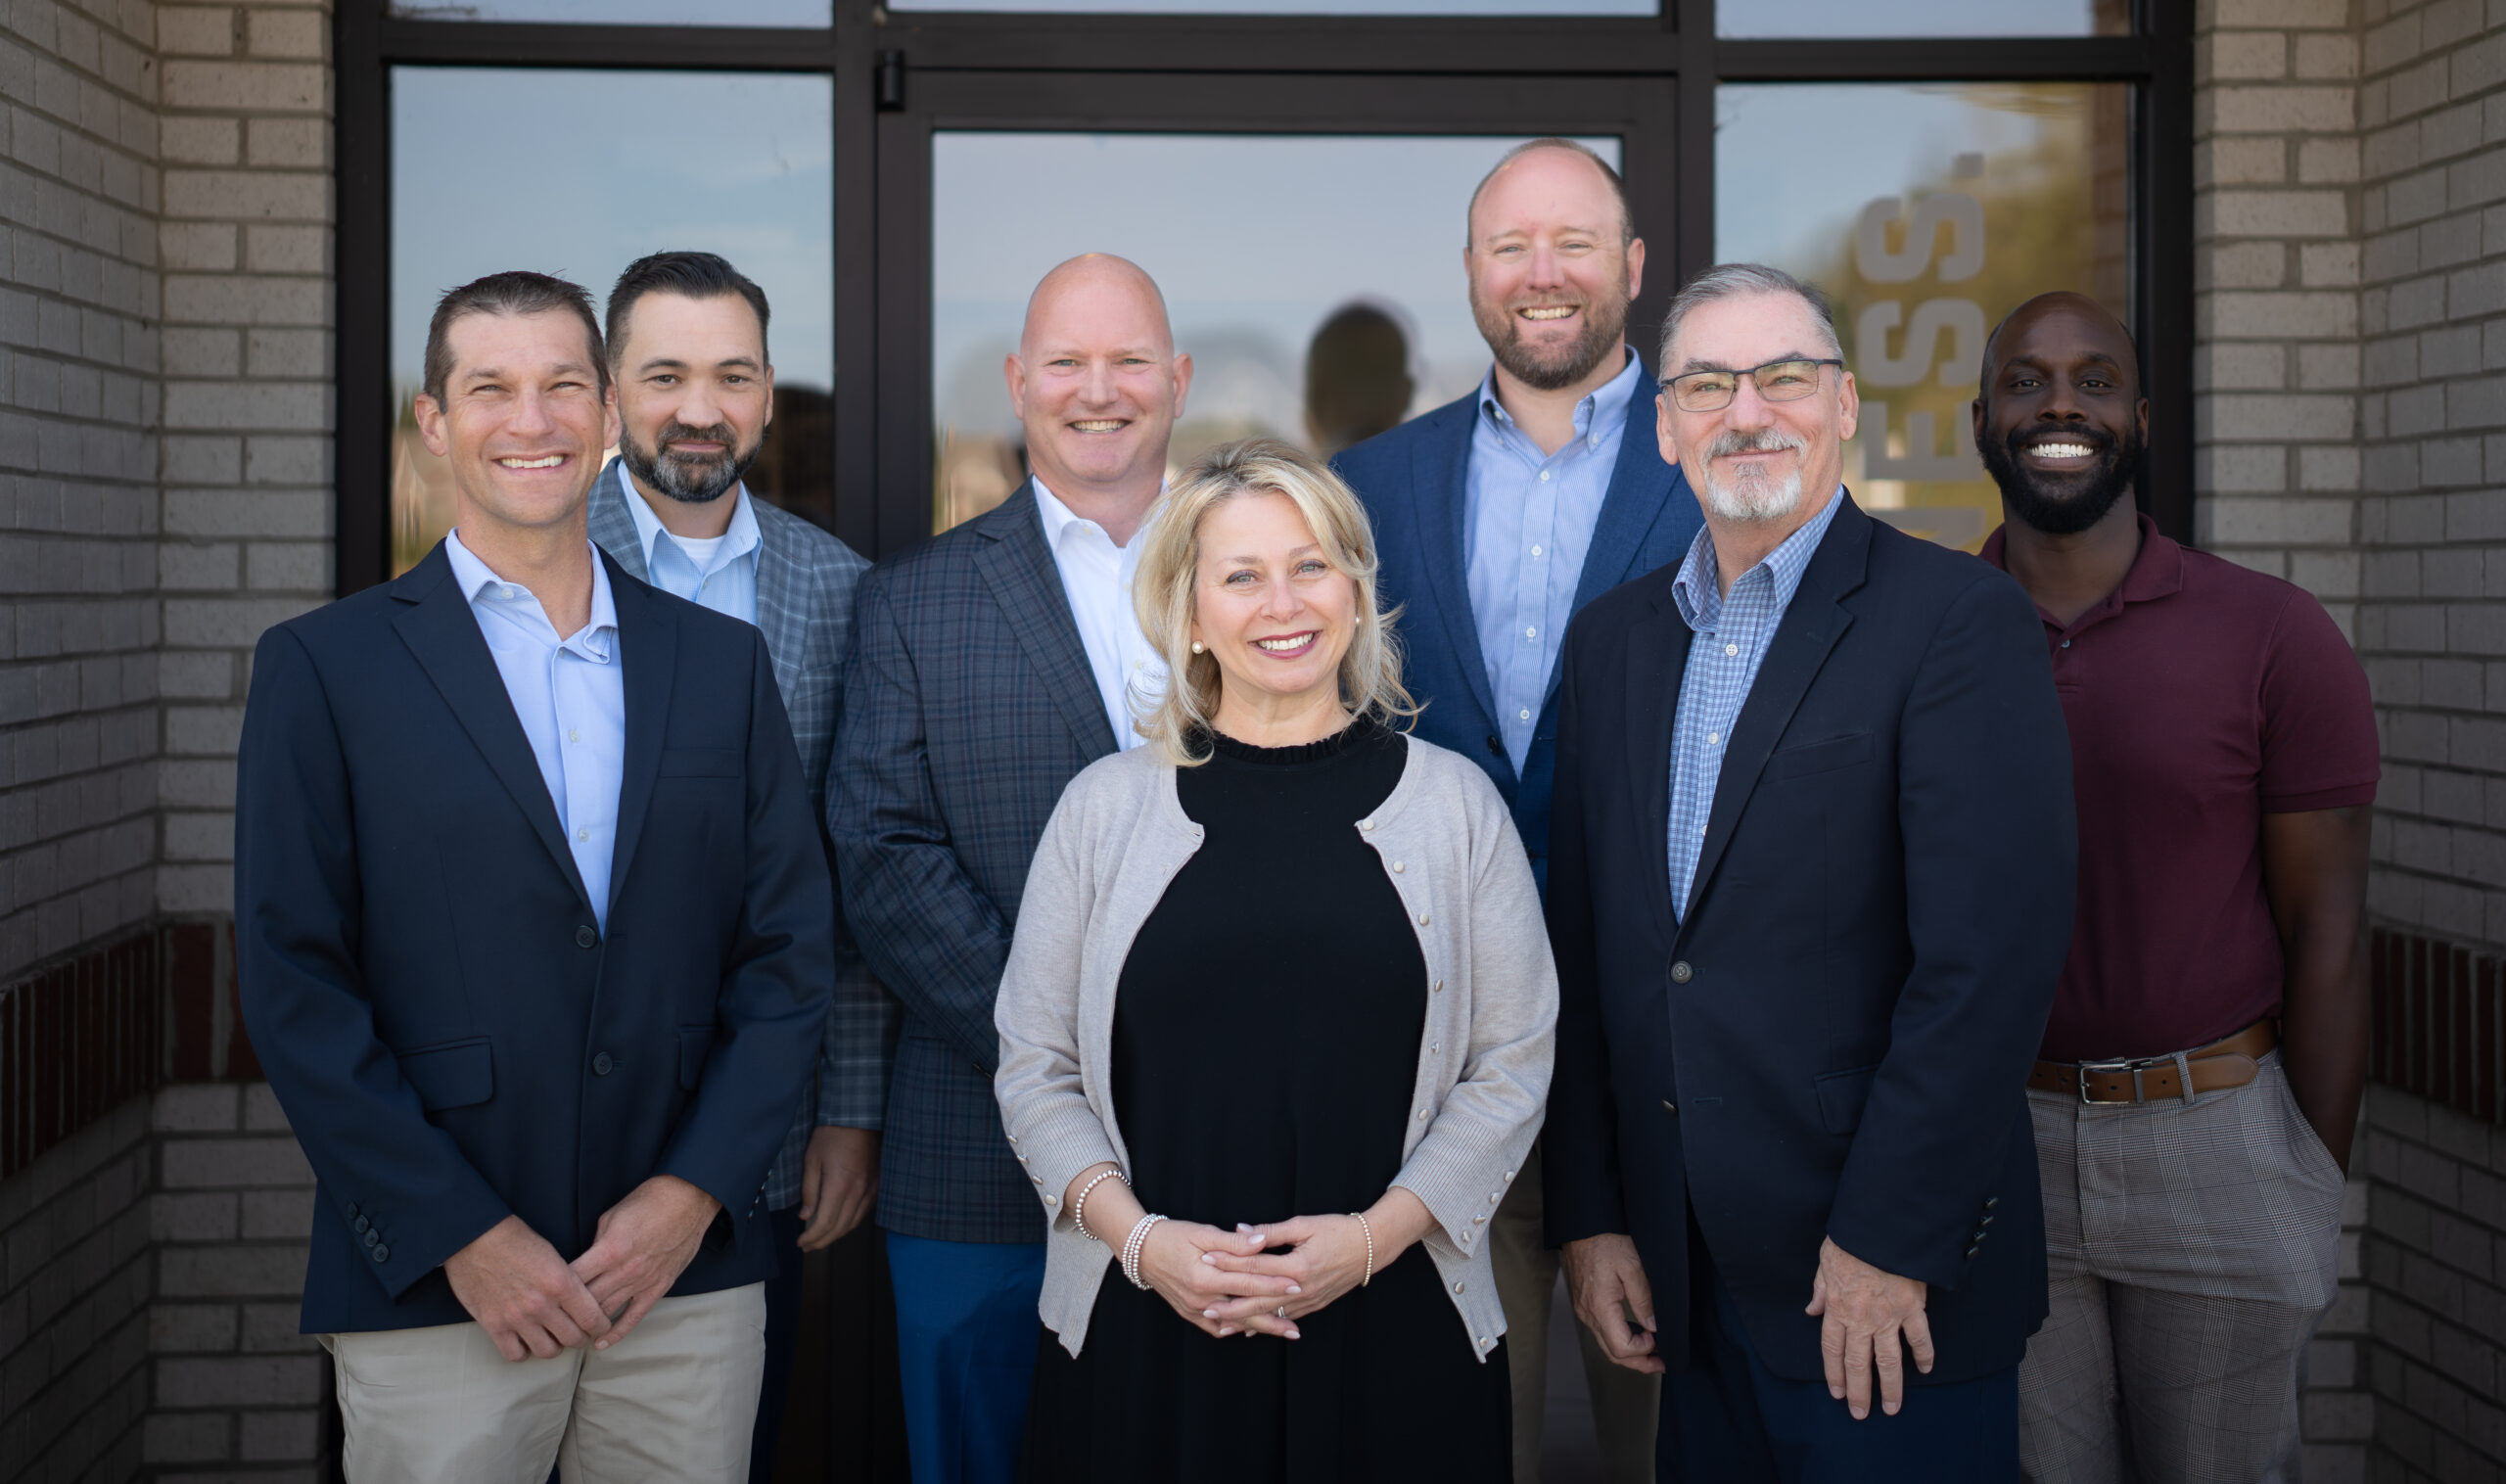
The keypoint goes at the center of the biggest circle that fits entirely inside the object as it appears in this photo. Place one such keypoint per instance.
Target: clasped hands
(1231, 1282)
(1867, 1318)
(531, 1302)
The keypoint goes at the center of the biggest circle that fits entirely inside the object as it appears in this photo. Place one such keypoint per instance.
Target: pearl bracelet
(1131, 1247)
(1368, 1229)
(1078, 1207)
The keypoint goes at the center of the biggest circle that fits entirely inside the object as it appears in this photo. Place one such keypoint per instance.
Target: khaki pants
(676, 1400)
(1625, 1403)
(2193, 1247)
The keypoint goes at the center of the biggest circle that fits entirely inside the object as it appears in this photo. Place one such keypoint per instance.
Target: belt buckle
(2135, 1067)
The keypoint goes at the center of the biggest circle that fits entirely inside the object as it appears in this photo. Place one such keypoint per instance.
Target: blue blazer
(1836, 1040)
(453, 1039)
(968, 708)
(1414, 481)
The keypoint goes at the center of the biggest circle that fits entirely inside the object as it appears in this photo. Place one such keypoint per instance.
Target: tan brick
(2327, 162)
(286, 33)
(298, 143)
(246, 195)
(2241, 54)
(2326, 56)
(201, 141)
(184, 30)
(2290, 15)
(2242, 265)
(2272, 213)
(271, 88)
(2237, 161)
(2279, 109)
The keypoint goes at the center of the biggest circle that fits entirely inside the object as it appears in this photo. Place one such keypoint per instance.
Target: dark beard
(1605, 330)
(2107, 480)
(690, 481)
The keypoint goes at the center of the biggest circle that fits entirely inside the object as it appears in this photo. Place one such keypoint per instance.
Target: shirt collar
(1699, 595)
(1600, 411)
(738, 542)
(1058, 517)
(2156, 571)
(480, 584)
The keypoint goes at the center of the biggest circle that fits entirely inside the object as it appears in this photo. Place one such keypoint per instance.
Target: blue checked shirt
(1732, 632)
(1528, 520)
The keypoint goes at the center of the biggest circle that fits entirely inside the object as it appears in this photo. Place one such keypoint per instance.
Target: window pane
(1928, 211)
(791, 13)
(744, 170)
(1646, 8)
(1309, 277)
(1826, 19)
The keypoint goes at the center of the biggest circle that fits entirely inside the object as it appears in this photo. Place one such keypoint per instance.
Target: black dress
(1266, 1043)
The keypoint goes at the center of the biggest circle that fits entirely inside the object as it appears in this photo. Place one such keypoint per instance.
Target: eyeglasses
(1778, 381)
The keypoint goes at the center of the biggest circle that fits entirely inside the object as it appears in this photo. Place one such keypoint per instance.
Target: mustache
(1733, 441)
(718, 432)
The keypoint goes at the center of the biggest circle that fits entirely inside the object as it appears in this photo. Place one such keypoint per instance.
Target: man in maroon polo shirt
(2202, 1070)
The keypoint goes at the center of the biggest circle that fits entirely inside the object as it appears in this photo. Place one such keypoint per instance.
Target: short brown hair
(515, 291)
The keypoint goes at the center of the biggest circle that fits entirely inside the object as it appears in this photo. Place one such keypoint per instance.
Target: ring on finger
(1281, 1311)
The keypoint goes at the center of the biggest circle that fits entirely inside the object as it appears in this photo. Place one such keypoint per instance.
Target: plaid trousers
(2192, 1247)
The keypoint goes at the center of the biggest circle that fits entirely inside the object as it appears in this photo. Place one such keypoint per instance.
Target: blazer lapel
(443, 634)
(1812, 624)
(1027, 586)
(782, 607)
(1440, 493)
(1656, 663)
(613, 525)
(1640, 490)
(648, 648)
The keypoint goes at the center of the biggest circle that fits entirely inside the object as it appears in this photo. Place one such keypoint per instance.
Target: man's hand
(523, 1293)
(839, 1179)
(641, 1247)
(1607, 1281)
(1865, 1312)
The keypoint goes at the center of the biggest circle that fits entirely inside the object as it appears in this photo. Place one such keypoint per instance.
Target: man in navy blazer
(1810, 894)
(1500, 516)
(535, 934)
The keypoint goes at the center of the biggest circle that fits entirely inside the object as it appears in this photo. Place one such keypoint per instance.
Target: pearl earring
(1198, 648)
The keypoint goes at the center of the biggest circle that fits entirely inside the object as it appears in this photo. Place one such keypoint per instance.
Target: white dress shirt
(720, 574)
(1096, 575)
(570, 695)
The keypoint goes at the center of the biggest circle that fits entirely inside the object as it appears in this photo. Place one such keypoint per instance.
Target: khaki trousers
(1626, 1405)
(676, 1400)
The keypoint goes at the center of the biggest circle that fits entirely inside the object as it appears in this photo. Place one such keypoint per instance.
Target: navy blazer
(1836, 1040)
(450, 1035)
(969, 706)
(1414, 481)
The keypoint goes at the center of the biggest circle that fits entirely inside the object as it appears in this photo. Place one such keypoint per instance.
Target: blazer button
(585, 937)
(383, 1254)
(1681, 973)
(1496, 746)
(601, 1065)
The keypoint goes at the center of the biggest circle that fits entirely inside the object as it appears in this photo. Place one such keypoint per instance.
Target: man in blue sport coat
(534, 935)
(1810, 894)
(1500, 516)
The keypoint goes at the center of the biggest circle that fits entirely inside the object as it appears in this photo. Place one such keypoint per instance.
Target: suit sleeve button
(363, 1226)
(371, 1238)
(383, 1254)
(1971, 1251)
(1669, 1106)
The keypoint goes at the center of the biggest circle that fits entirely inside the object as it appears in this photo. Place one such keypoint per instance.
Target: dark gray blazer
(968, 708)
(805, 591)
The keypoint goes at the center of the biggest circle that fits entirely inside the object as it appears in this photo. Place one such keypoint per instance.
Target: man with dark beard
(1500, 516)
(2203, 1066)
(695, 393)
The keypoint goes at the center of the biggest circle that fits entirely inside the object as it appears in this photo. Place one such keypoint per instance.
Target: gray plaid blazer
(805, 590)
(968, 708)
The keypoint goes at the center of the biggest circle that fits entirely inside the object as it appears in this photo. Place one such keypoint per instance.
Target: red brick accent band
(2438, 1011)
(84, 1034)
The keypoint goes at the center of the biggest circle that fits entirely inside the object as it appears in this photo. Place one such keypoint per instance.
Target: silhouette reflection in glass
(1357, 377)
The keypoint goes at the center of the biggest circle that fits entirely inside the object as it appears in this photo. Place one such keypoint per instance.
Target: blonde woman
(1275, 1034)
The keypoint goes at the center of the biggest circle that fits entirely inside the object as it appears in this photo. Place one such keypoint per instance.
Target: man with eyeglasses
(1810, 884)
(1548, 476)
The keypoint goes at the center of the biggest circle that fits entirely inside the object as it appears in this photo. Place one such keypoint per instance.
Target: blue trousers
(1727, 1418)
(966, 1330)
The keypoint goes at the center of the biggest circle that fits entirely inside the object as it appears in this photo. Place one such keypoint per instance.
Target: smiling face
(1272, 611)
(1551, 270)
(2060, 423)
(1753, 461)
(523, 420)
(694, 394)
(1096, 380)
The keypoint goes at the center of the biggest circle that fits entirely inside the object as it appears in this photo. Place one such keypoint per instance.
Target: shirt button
(1531, 633)
(1535, 551)
(1523, 714)
(1713, 738)
(573, 735)
(1544, 475)
(2066, 643)
(583, 834)
(1731, 651)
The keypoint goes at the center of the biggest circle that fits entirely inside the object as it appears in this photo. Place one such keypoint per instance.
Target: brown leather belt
(2229, 1063)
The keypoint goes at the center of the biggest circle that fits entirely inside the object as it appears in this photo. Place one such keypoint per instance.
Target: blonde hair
(1163, 589)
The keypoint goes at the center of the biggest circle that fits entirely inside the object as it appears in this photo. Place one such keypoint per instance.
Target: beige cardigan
(1115, 841)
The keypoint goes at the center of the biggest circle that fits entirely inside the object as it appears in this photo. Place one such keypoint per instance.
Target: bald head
(1557, 173)
(1098, 385)
(2059, 416)
(2091, 316)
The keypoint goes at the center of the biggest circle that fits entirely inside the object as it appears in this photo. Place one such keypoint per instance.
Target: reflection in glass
(1825, 18)
(1928, 211)
(1316, 281)
(1646, 8)
(744, 170)
(792, 12)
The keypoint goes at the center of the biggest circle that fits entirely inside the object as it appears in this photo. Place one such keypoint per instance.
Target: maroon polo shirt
(2200, 697)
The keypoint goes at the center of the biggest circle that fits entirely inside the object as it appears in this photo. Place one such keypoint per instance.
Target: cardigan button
(1396, 867)
(1422, 920)
(1457, 1287)
(1440, 987)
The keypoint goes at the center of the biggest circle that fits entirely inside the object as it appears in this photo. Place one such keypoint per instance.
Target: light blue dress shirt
(721, 573)
(1732, 632)
(570, 695)
(1528, 522)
